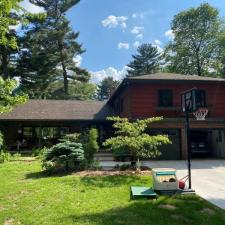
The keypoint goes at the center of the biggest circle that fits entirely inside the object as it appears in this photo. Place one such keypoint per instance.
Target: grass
(29, 197)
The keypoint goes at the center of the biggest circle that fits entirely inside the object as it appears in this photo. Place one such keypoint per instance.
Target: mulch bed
(88, 173)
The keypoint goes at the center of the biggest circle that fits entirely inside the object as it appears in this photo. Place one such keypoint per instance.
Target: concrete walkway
(208, 177)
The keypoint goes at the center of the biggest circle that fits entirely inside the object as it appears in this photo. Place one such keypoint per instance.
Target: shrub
(92, 145)
(68, 155)
(39, 152)
(1, 140)
(4, 156)
(123, 167)
(15, 156)
(94, 165)
(74, 137)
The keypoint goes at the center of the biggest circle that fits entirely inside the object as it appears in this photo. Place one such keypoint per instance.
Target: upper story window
(165, 98)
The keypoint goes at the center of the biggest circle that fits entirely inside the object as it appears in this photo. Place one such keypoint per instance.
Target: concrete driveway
(208, 177)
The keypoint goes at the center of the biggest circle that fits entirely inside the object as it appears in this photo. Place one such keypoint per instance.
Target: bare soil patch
(9, 221)
(177, 216)
(208, 211)
(167, 206)
(88, 173)
(2, 208)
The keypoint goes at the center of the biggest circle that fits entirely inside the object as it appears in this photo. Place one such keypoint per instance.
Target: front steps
(103, 156)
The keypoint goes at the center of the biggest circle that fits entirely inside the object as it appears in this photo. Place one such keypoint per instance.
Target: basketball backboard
(192, 100)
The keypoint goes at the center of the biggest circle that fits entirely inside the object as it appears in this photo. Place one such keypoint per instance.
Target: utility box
(165, 179)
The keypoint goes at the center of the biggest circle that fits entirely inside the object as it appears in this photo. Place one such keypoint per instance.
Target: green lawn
(28, 197)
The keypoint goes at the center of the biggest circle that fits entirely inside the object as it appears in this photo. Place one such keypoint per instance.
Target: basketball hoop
(201, 113)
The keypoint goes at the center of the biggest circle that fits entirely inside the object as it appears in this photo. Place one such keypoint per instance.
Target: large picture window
(165, 98)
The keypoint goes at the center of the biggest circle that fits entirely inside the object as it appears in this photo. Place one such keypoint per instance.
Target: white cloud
(160, 49)
(169, 34)
(137, 30)
(15, 27)
(136, 44)
(31, 7)
(157, 45)
(114, 21)
(139, 36)
(78, 60)
(98, 76)
(123, 45)
(142, 14)
(157, 42)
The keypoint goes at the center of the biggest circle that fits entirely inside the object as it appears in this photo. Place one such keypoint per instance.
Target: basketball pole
(188, 147)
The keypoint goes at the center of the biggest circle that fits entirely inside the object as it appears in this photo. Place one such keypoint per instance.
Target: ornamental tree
(7, 97)
(132, 136)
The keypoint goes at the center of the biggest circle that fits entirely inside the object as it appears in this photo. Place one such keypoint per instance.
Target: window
(165, 98)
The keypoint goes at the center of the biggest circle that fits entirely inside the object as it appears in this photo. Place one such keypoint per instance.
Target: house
(136, 97)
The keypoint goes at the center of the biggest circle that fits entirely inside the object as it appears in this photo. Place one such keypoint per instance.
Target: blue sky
(110, 30)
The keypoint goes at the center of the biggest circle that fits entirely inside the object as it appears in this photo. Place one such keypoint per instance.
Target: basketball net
(201, 113)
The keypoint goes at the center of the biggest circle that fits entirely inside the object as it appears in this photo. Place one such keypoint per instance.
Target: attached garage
(170, 151)
(218, 143)
(207, 143)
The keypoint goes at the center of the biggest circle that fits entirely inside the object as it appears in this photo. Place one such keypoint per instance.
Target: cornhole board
(138, 192)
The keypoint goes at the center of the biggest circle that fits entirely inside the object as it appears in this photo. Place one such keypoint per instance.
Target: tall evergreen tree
(146, 61)
(194, 49)
(55, 41)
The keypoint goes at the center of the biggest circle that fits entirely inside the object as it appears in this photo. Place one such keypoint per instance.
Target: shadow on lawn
(106, 181)
(112, 181)
(44, 174)
(148, 212)
(94, 181)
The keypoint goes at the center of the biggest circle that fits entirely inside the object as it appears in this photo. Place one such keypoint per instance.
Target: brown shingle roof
(174, 76)
(59, 110)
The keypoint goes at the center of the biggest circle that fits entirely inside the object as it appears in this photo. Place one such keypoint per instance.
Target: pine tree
(146, 61)
(49, 50)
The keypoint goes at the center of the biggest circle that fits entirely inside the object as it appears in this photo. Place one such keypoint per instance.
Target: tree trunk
(5, 72)
(65, 78)
(138, 165)
(198, 65)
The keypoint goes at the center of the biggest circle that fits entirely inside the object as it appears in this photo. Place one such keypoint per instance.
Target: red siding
(144, 98)
(126, 103)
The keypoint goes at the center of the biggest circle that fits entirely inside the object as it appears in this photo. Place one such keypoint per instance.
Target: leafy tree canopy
(76, 90)
(194, 49)
(8, 100)
(106, 88)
